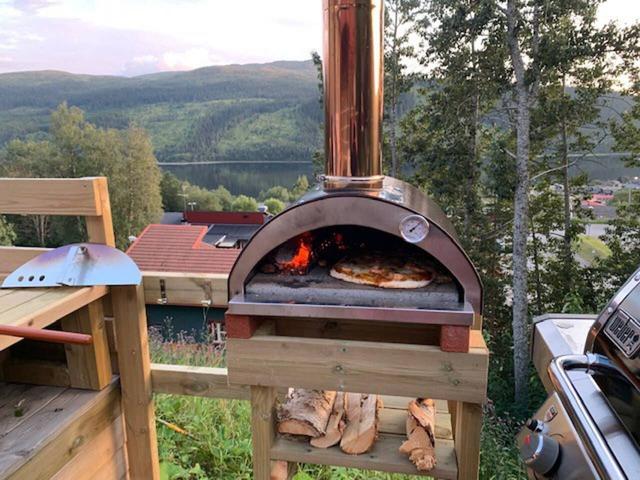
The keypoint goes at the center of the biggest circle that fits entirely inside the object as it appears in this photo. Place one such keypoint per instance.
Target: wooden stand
(372, 358)
(78, 310)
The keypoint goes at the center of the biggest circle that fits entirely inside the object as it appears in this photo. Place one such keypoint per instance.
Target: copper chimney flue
(353, 86)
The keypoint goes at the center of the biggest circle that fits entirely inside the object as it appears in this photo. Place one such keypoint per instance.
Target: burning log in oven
(294, 257)
(300, 254)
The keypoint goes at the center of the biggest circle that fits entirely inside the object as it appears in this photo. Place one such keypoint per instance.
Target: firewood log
(305, 412)
(361, 431)
(282, 470)
(420, 445)
(335, 426)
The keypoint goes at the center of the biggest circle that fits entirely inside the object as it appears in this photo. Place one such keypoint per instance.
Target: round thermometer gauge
(414, 228)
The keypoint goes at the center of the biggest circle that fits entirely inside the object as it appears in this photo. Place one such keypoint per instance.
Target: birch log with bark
(335, 425)
(421, 440)
(305, 412)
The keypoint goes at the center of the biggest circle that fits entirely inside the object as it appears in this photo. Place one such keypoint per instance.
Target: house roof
(229, 233)
(235, 218)
(180, 248)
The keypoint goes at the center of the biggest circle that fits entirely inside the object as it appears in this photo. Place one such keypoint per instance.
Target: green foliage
(300, 188)
(274, 205)
(7, 235)
(242, 203)
(278, 192)
(171, 191)
(77, 148)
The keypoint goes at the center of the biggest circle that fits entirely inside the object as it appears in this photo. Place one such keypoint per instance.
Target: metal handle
(602, 457)
(52, 336)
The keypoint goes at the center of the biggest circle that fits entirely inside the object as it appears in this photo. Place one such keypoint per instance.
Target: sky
(134, 37)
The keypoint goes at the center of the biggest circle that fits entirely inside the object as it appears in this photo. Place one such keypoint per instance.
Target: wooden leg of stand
(467, 439)
(135, 378)
(262, 429)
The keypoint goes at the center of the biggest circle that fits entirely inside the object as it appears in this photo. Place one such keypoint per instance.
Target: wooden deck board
(39, 308)
(32, 399)
(40, 444)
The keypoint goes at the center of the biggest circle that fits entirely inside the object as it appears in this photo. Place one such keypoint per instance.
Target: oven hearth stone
(319, 288)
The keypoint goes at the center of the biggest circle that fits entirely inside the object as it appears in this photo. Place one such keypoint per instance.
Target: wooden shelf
(384, 456)
(40, 307)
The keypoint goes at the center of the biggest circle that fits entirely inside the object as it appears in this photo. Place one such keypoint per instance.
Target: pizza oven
(355, 211)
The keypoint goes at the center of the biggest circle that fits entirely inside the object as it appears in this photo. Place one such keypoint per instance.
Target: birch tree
(523, 41)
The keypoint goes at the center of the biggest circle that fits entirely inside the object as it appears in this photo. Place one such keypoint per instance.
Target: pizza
(383, 270)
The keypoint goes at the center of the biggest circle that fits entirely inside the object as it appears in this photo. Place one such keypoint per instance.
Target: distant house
(600, 207)
(226, 229)
(601, 198)
(182, 249)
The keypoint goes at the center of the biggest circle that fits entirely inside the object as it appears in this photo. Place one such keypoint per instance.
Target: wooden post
(100, 227)
(467, 439)
(135, 377)
(89, 365)
(262, 429)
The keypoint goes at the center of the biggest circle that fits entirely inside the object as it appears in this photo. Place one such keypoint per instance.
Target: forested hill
(230, 113)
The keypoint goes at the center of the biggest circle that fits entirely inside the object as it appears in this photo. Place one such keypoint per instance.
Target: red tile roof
(179, 248)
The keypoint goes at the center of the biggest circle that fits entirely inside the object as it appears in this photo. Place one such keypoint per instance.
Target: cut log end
(420, 443)
(305, 412)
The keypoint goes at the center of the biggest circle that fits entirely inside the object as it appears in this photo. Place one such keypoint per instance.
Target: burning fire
(302, 258)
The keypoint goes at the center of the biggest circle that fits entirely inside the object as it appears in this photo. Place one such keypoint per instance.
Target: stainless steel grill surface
(593, 411)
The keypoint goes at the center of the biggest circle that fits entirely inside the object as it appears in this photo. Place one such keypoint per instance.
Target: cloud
(133, 37)
(11, 40)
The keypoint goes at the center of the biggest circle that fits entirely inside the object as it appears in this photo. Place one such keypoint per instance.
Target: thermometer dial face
(414, 228)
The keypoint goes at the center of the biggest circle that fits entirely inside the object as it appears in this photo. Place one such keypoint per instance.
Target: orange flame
(301, 260)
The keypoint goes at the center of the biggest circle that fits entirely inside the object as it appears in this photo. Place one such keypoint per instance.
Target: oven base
(450, 338)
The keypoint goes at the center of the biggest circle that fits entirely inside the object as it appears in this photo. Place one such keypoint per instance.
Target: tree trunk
(520, 319)
(393, 113)
(536, 268)
(520, 232)
(568, 237)
(393, 140)
(470, 199)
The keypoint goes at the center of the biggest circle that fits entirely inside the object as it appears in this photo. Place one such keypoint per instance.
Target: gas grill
(284, 269)
(589, 426)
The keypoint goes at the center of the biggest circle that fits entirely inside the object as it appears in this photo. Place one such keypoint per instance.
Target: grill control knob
(535, 425)
(540, 452)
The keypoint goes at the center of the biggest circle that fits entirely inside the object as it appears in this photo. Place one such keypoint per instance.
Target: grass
(589, 248)
(215, 443)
